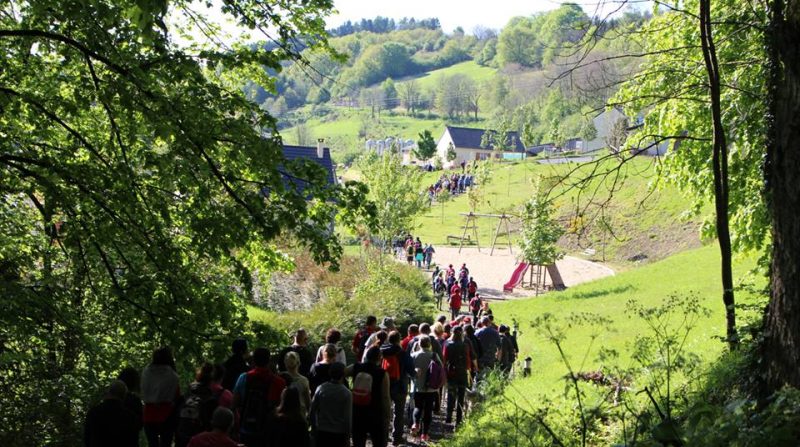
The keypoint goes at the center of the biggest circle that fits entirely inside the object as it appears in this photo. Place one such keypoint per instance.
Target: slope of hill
(638, 222)
(692, 273)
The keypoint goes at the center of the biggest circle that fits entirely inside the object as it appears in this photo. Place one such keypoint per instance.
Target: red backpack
(391, 364)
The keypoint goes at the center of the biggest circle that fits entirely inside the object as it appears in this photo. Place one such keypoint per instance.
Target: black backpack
(258, 412)
(195, 413)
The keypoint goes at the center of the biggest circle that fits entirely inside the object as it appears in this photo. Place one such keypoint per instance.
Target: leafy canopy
(140, 190)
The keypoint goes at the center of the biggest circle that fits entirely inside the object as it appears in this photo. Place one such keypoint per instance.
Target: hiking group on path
(304, 398)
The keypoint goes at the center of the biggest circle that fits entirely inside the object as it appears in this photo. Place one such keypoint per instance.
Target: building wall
(603, 124)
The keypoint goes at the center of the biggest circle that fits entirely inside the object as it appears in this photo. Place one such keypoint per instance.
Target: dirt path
(491, 272)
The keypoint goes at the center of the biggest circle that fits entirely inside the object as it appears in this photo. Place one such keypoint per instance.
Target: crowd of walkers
(453, 183)
(390, 389)
(414, 251)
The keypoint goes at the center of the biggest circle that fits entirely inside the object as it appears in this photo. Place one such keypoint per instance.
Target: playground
(493, 272)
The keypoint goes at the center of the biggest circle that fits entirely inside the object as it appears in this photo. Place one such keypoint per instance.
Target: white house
(468, 144)
(604, 124)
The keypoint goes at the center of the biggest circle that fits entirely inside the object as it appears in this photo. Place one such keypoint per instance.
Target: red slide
(516, 277)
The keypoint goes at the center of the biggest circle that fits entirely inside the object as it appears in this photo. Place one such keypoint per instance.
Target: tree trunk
(720, 165)
(780, 349)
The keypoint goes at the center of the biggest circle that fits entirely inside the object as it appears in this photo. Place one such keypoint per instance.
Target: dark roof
(310, 153)
(467, 138)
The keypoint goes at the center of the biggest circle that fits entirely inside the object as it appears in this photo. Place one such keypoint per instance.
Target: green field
(695, 272)
(641, 218)
(478, 73)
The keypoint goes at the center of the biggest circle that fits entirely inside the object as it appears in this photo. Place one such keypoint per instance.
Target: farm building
(470, 144)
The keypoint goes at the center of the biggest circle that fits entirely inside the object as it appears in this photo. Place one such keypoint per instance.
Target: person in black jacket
(300, 346)
(109, 423)
(236, 365)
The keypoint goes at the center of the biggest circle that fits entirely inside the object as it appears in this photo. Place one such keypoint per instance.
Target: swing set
(471, 223)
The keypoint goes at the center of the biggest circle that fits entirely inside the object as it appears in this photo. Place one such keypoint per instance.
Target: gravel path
(491, 272)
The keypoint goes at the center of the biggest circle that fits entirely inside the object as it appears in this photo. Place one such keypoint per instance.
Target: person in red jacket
(455, 301)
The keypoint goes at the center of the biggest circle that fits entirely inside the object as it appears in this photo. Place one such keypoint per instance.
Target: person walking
(221, 423)
(291, 420)
(398, 365)
(320, 371)
(333, 336)
(331, 412)
(299, 346)
(110, 423)
(489, 340)
(199, 403)
(425, 393)
(362, 335)
(256, 396)
(298, 381)
(371, 400)
(236, 364)
(475, 304)
(472, 287)
(455, 301)
(133, 402)
(457, 361)
(429, 251)
(507, 355)
(160, 392)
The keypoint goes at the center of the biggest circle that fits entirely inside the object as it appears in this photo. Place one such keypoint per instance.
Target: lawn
(693, 272)
(478, 73)
(638, 215)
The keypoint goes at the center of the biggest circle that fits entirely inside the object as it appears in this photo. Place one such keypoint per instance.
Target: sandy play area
(491, 272)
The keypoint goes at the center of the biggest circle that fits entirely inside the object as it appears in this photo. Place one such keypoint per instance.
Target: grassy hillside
(692, 273)
(470, 69)
(641, 221)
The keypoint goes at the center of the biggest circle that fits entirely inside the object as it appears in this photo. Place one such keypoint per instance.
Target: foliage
(540, 231)
(348, 297)
(682, 112)
(451, 155)
(396, 191)
(426, 146)
(534, 41)
(481, 177)
(141, 191)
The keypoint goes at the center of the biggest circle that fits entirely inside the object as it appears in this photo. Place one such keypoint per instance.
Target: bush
(370, 287)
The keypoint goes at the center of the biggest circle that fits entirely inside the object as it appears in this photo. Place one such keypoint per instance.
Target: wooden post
(496, 234)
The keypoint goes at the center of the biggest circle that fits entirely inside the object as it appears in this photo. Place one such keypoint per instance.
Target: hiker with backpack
(371, 400)
(475, 304)
(256, 396)
(331, 412)
(489, 340)
(299, 345)
(320, 371)
(362, 335)
(472, 287)
(457, 361)
(221, 423)
(199, 403)
(455, 301)
(398, 365)
(428, 378)
(333, 336)
(160, 393)
(411, 334)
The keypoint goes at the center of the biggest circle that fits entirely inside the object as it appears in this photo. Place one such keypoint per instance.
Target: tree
(426, 146)
(451, 153)
(141, 193)
(691, 112)
(396, 191)
(409, 94)
(540, 231)
(780, 348)
(389, 93)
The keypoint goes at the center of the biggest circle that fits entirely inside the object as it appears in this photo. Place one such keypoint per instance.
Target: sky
(451, 13)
